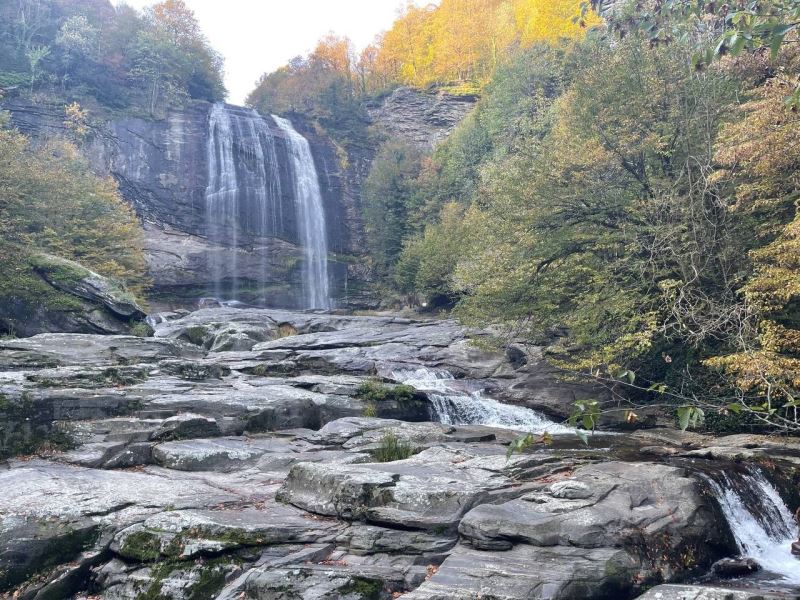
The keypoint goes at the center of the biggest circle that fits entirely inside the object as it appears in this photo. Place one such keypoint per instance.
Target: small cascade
(760, 521)
(457, 407)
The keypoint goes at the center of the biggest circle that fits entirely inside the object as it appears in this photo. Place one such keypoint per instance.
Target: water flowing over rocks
(265, 454)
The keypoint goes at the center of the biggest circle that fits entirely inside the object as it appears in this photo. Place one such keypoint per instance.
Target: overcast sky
(257, 36)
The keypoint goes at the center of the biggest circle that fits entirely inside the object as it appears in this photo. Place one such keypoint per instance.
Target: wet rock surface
(291, 463)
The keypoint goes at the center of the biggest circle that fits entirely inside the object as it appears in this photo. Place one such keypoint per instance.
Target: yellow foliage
(464, 40)
(761, 153)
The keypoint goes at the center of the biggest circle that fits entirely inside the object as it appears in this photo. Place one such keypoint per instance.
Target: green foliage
(614, 191)
(365, 589)
(390, 201)
(375, 392)
(690, 417)
(141, 329)
(119, 57)
(392, 448)
(524, 442)
(50, 202)
(748, 26)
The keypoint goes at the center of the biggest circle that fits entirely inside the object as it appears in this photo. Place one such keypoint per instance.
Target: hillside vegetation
(114, 57)
(94, 60)
(625, 192)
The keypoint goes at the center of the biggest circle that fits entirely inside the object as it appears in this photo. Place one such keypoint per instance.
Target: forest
(626, 193)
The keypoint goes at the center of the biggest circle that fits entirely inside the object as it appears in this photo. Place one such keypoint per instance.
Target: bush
(375, 391)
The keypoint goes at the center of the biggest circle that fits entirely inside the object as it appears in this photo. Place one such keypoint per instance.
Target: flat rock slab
(63, 349)
(701, 592)
(185, 534)
(45, 490)
(530, 573)
(221, 454)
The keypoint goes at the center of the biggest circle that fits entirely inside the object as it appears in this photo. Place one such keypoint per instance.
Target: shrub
(375, 391)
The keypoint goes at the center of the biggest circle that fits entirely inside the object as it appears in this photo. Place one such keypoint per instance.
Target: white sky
(258, 36)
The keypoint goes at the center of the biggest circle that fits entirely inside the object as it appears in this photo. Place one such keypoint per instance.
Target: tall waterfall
(456, 407)
(760, 522)
(253, 195)
(311, 218)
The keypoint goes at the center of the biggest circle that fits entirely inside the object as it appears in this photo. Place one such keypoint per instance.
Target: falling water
(760, 522)
(222, 196)
(245, 202)
(455, 407)
(310, 216)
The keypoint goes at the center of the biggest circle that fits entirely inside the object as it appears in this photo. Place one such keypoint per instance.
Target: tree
(173, 58)
(77, 39)
(51, 202)
(389, 196)
(35, 55)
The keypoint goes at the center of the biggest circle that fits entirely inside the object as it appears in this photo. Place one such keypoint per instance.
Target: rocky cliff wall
(162, 170)
(423, 118)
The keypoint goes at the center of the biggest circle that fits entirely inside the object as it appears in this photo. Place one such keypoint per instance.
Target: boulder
(70, 298)
(430, 491)
(728, 568)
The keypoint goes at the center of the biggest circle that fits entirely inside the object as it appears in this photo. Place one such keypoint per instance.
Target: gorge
(501, 305)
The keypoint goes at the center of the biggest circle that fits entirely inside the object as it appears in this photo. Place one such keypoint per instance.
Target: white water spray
(310, 217)
(456, 407)
(760, 522)
(245, 201)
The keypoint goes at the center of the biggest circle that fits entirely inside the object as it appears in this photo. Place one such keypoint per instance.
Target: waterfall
(251, 197)
(760, 522)
(310, 217)
(455, 407)
(222, 197)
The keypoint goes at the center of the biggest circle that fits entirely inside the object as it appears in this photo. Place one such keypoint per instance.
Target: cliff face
(163, 170)
(422, 118)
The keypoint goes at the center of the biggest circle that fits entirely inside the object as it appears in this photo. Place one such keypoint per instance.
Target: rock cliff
(162, 167)
(423, 118)
(162, 170)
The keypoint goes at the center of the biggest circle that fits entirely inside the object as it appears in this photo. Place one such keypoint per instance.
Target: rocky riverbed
(264, 454)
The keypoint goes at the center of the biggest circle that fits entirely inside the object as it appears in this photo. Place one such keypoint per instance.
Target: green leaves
(524, 442)
(585, 414)
(690, 416)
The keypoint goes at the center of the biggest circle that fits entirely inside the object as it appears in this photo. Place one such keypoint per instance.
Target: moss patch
(365, 589)
(141, 545)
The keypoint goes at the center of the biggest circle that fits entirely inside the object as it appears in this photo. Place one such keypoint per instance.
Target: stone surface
(229, 457)
(702, 592)
(419, 117)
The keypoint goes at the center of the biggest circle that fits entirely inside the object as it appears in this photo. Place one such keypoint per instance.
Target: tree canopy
(119, 57)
